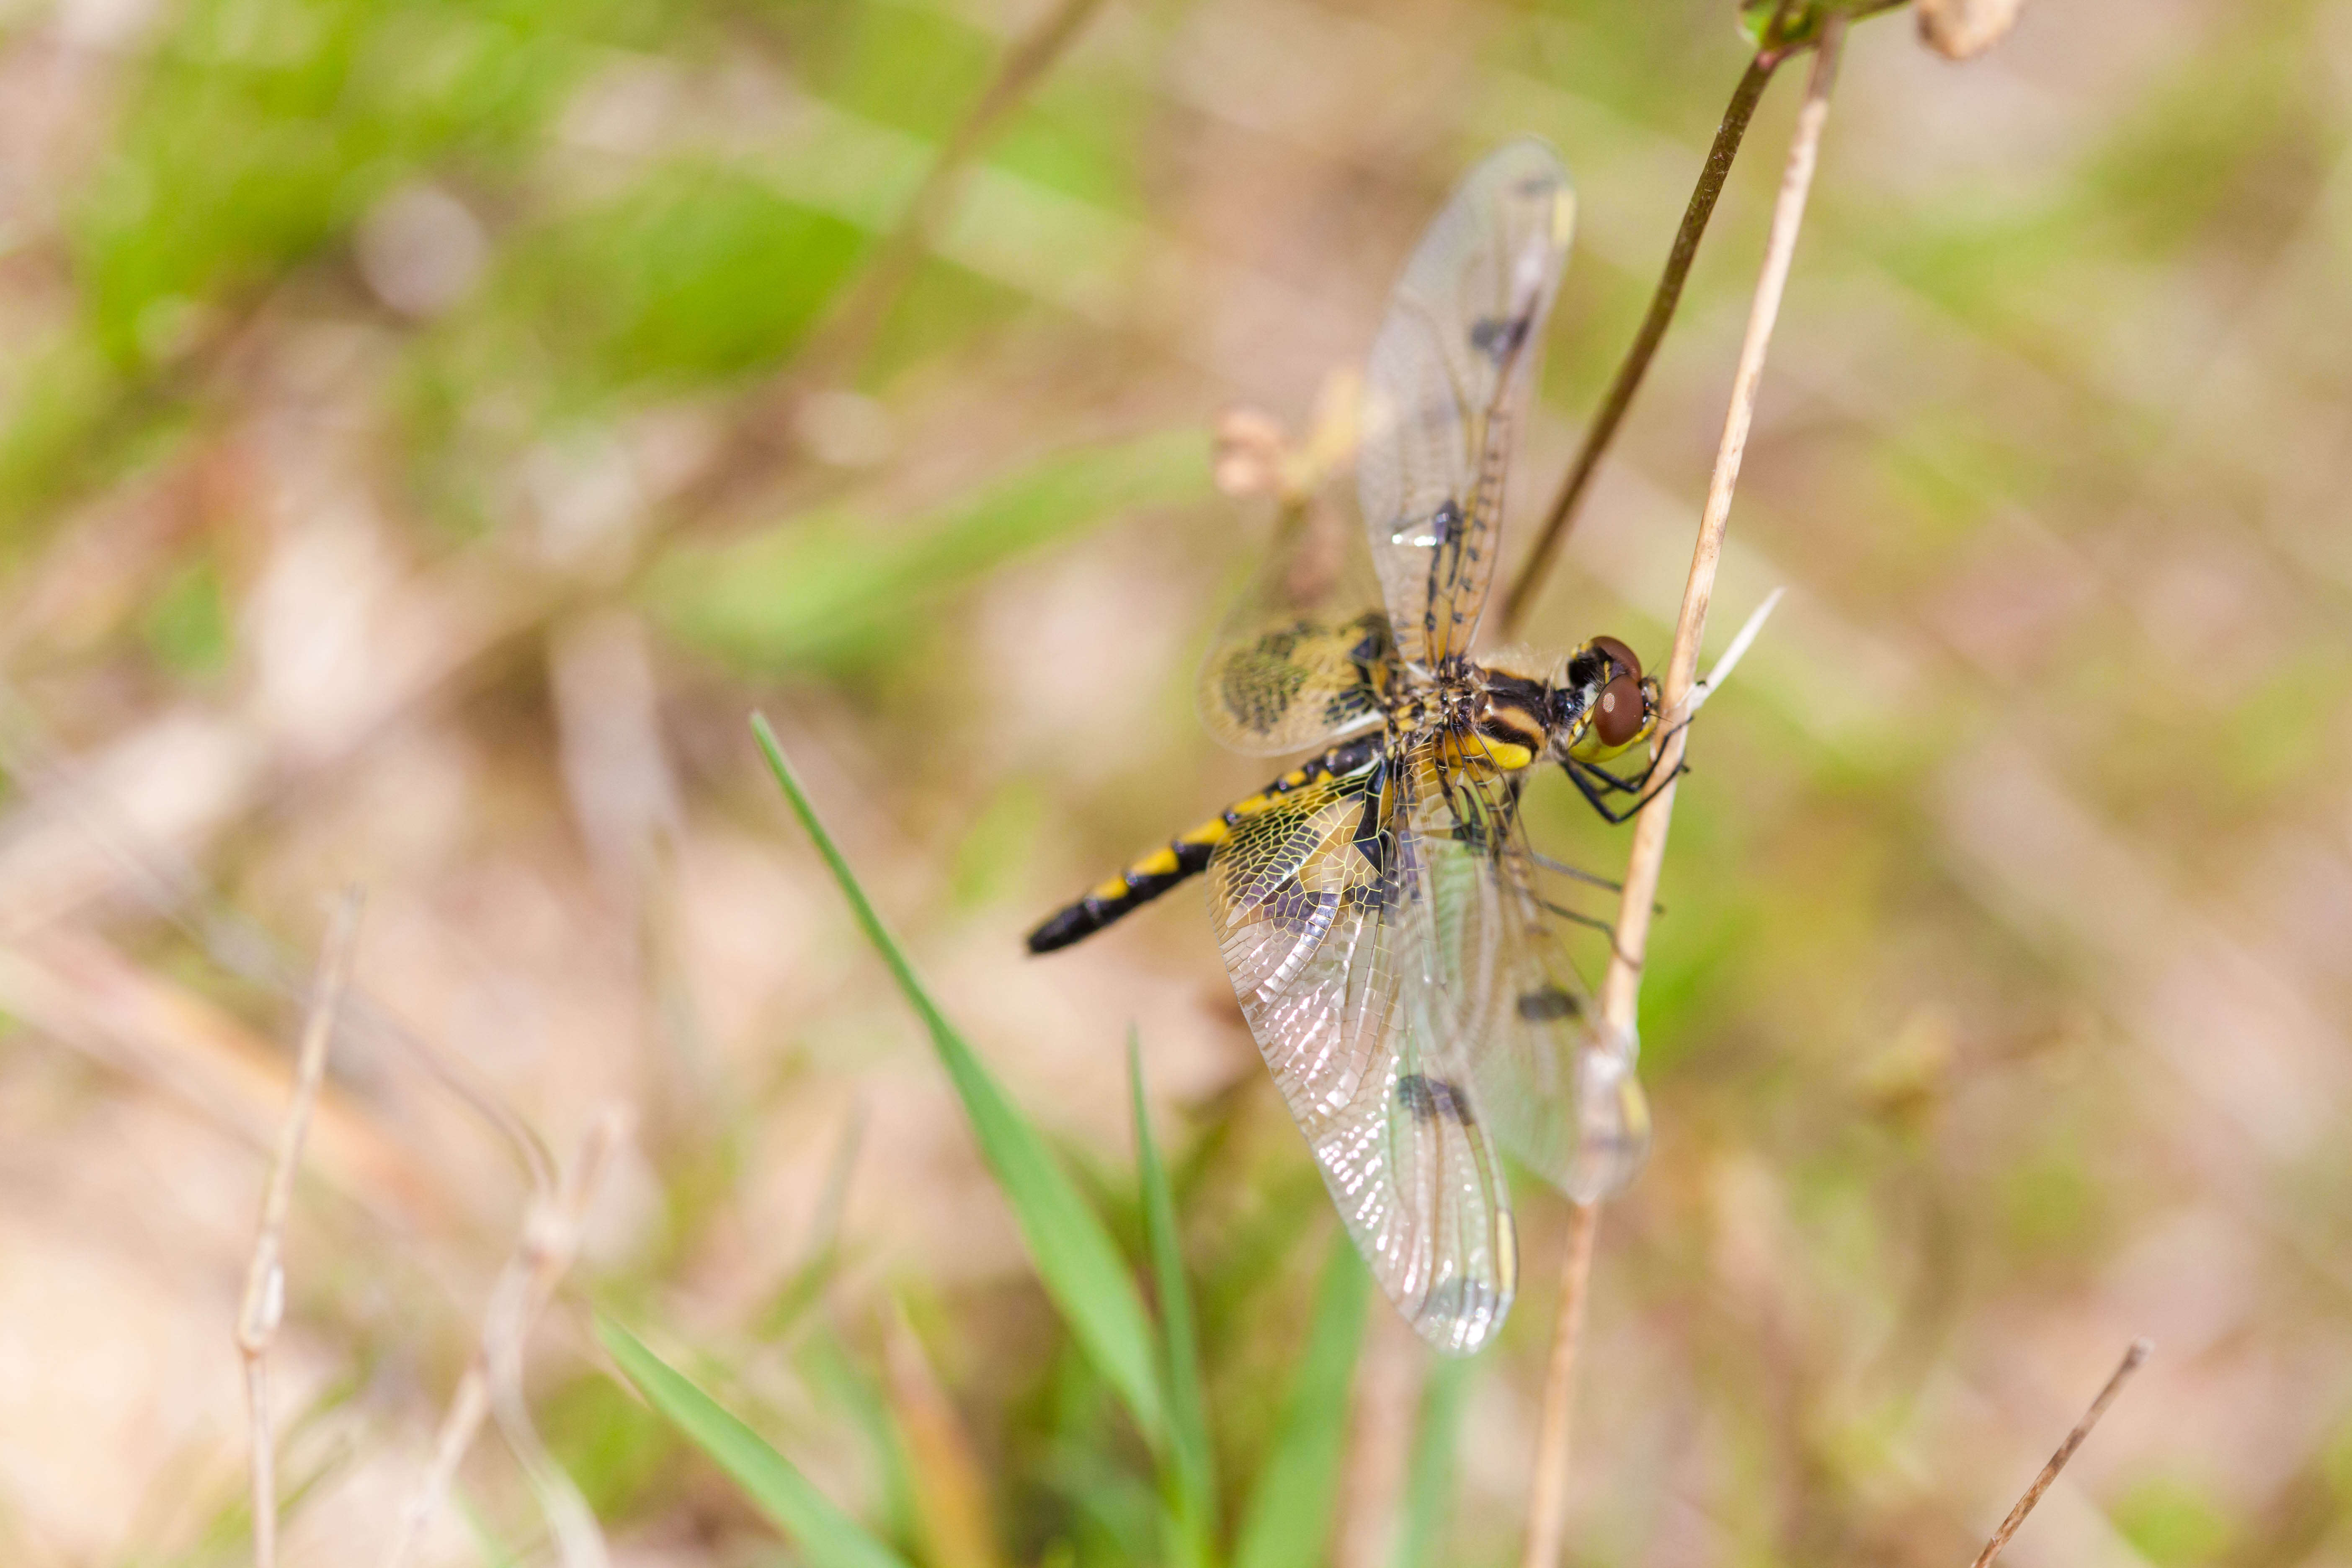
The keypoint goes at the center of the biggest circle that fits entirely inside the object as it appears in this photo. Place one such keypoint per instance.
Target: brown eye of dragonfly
(1619, 654)
(1618, 715)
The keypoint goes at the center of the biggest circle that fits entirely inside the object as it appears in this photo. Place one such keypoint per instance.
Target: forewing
(1280, 683)
(1305, 653)
(1448, 376)
(1330, 924)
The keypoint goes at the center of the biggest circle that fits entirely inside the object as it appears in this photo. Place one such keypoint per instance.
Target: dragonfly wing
(1560, 1085)
(1323, 913)
(1305, 654)
(1280, 682)
(1449, 371)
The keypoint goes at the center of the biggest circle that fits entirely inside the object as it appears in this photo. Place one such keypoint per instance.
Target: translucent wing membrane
(1559, 1087)
(1305, 654)
(1448, 375)
(1283, 684)
(1343, 938)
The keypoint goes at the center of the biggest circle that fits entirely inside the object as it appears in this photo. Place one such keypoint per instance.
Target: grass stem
(492, 1386)
(1548, 1506)
(841, 347)
(1621, 991)
(263, 1307)
(1663, 300)
(2137, 1353)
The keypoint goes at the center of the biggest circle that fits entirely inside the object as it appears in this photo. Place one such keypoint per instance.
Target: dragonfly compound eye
(1620, 654)
(1619, 715)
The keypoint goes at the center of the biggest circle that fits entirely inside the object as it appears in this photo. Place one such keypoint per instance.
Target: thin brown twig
(263, 1307)
(492, 1383)
(840, 346)
(1388, 1378)
(1663, 299)
(2137, 1353)
(758, 440)
(1621, 991)
(1548, 1504)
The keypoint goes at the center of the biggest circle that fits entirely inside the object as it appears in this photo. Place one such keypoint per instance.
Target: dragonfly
(1388, 927)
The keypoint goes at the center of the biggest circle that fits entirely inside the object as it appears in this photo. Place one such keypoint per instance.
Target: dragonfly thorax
(1595, 704)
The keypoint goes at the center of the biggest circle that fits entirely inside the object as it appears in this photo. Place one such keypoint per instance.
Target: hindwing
(1340, 944)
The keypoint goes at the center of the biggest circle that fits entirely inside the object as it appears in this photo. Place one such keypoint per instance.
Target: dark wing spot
(1496, 337)
(1547, 1004)
(1258, 684)
(1291, 909)
(1444, 522)
(1431, 1098)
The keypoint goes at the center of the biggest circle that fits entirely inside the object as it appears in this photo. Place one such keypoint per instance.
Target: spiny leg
(1575, 771)
(1577, 873)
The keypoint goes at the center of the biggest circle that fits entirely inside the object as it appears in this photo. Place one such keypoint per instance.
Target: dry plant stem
(1621, 990)
(1382, 1428)
(840, 348)
(492, 1383)
(1548, 1504)
(1662, 303)
(263, 1307)
(2130, 1363)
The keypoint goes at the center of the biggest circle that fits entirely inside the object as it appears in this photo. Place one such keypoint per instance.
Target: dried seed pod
(1252, 451)
(1963, 29)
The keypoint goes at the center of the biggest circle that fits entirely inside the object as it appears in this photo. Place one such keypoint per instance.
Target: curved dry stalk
(841, 344)
(1621, 991)
(492, 1383)
(263, 1307)
(1382, 1425)
(1547, 1499)
(1712, 174)
(2137, 1353)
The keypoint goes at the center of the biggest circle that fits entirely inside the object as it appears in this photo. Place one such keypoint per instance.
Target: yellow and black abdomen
(1187, 854)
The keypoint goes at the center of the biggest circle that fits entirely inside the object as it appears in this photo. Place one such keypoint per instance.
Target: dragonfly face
(1384, 921)
(1596, 705)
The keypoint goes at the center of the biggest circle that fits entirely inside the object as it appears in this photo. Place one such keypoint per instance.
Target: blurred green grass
(2052, 427)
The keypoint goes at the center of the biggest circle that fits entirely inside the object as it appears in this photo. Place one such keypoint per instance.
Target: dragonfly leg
(1597, 924)
(1606, 928)
(1576, 771)
(1640, 780)
(1578, 872)
(1611, 782)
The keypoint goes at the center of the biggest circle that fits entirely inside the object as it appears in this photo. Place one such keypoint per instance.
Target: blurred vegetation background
(428, 427)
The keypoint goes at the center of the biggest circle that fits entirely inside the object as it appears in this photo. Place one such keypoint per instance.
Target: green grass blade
(1077, 1259)
(1292, 1505)
(826, 1537)
(1429, 1487)
(1191, 1462)
(833, 589)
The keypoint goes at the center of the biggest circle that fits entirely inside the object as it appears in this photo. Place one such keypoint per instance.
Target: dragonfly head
(1602, 703)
